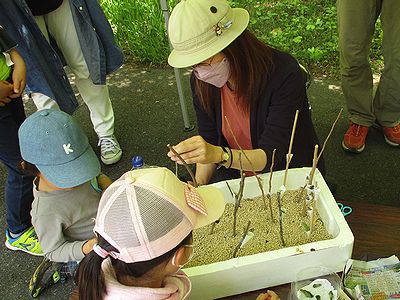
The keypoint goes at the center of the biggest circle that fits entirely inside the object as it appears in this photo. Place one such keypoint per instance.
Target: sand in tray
(219, 246)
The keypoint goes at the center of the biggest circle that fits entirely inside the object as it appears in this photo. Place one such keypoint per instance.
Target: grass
(305, 28)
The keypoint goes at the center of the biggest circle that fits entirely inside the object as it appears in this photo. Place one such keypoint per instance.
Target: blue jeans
(18, 188)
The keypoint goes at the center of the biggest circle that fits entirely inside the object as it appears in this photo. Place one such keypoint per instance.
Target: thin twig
(280, 219)
(241, 240)
(213, 226)
(259, 180)
(176, 169)
(271, 170)
(314, 165)
(289, 155)
(313, 208)
(185, 164)
(329, 134)
(238, 145)
(238, 195)
(229, 187)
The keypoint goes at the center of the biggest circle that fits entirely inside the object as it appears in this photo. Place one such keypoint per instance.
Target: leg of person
(356, 25)
(387, 97)
(42, 101)
(61, 27)
(20, 234)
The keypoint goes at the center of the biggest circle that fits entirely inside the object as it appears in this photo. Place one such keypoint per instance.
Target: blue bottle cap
(137, 161)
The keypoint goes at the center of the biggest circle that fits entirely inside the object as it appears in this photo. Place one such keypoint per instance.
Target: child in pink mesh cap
(144, 228)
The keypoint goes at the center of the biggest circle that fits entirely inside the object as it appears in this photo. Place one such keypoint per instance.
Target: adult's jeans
(18, 187)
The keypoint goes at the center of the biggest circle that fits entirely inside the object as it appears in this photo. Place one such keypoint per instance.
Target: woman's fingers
(192, 150)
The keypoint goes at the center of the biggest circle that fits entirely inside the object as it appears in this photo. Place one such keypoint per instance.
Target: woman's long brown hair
(250, 64)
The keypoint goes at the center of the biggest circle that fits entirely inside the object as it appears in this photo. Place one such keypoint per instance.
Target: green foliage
(139, 28)
(305, 28)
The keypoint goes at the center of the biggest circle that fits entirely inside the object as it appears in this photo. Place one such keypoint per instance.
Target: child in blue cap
(67, 189)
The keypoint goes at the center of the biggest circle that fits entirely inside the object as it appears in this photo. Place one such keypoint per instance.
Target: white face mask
(189, 258)
(216, 74)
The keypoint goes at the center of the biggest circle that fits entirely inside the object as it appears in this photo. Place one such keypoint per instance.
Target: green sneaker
(45, 275)
(26, 242)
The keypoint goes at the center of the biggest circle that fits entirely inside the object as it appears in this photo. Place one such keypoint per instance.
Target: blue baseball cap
(55, 143)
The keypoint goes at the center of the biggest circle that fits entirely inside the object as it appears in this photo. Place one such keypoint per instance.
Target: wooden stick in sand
(259, 180)
(269, 195)
(289, 155)
(235, 251)
(280, 219)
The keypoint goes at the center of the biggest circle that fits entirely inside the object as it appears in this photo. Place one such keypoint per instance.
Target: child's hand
(269, 295)
(18, 75)
(88, 246)
(103, 181)
(6, 89)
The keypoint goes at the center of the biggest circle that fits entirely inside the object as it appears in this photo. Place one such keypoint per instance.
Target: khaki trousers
(60, 25)
(356, 25)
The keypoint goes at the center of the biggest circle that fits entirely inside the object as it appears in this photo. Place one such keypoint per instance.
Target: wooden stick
(213, 226)
(289, 155)
(314, 165)
(240, 148)
(229, 187)
(238, 196)
(329, 134)
(259, 180)
(280, 219)
(271, 170)
(235, 251)
(185, 164)
(313, 206)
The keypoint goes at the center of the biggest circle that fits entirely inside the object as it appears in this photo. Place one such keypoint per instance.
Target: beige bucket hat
(199, 29)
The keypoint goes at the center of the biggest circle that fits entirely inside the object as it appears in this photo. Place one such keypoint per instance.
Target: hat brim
(215, 205)
(73, 173)
(179, 59)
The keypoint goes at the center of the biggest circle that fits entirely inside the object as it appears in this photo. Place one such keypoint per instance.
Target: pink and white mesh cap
(147, 212)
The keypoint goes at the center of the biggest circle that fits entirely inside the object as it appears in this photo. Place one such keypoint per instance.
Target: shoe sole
(11, 247)
(34, 288)
(113, 160)
(390, 142)
(353, 150)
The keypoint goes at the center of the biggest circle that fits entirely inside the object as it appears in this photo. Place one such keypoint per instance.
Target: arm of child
(88, 246)
(269, 295)
(18, 74)
(55, 245)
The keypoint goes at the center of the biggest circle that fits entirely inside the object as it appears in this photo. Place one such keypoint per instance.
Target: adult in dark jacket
(238, 84)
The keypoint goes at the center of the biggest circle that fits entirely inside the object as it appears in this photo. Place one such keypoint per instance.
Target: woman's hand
(6, 89)
(196, 150)
(269, 295)
(18, 75)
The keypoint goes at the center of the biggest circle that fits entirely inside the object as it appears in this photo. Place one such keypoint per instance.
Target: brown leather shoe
(354, 138)
(392, 135)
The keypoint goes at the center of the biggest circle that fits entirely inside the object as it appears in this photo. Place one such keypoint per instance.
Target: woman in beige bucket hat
(245, 93)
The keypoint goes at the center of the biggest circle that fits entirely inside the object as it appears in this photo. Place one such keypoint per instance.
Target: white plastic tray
(262, 270)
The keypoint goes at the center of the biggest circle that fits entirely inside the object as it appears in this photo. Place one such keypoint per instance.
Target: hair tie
(100, 251)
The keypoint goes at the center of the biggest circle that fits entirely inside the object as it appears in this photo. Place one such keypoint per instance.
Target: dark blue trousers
(18, 188)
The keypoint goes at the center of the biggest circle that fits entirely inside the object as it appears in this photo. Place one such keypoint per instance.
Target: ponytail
(90, 279)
